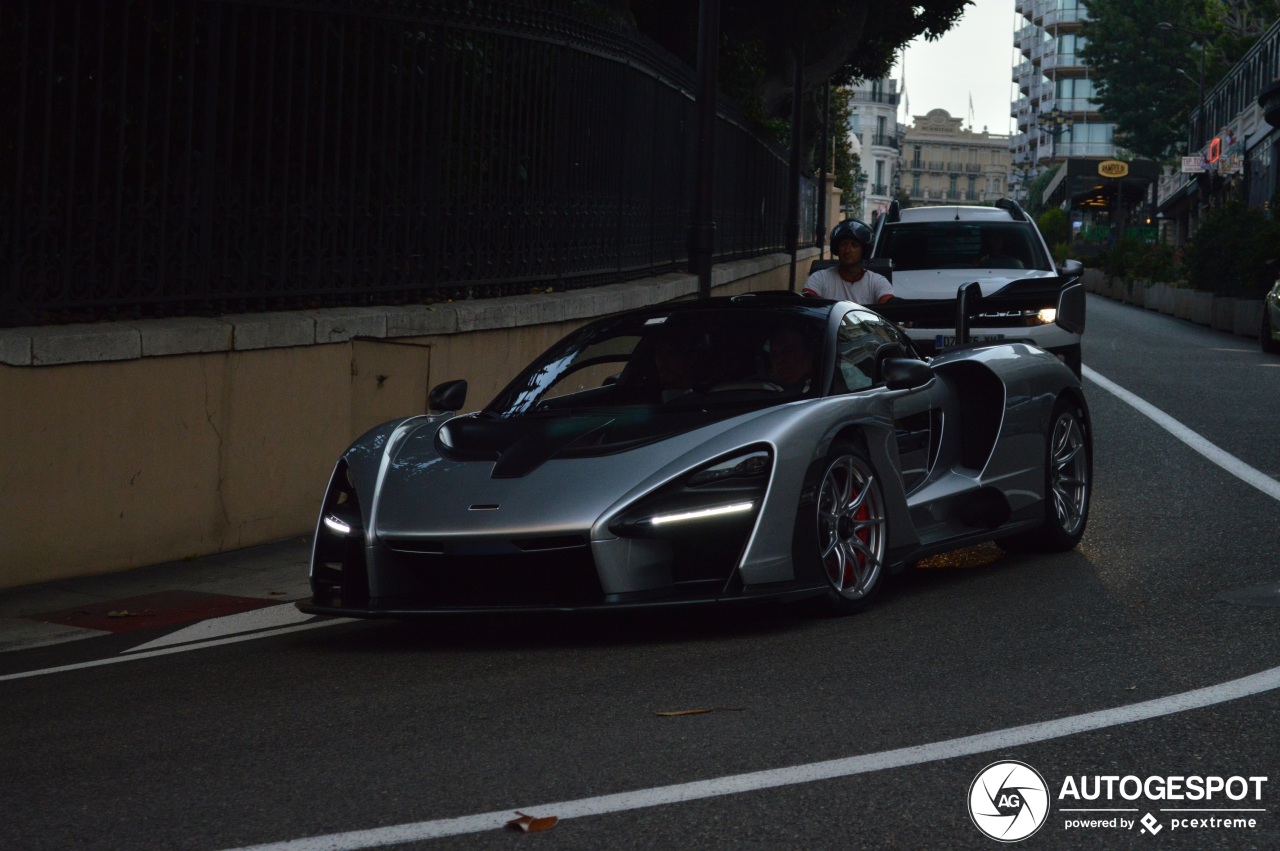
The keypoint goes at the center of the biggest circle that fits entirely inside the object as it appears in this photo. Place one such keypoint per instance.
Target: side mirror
(1071, 269)
(880, 265)
(906, 373)
(449, 396)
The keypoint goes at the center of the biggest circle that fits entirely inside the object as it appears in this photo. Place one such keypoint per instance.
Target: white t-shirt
(869, 289)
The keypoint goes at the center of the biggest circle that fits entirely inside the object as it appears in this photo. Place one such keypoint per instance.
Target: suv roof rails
(1016, 212)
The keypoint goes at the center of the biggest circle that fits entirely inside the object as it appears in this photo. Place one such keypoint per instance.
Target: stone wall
(135, 443)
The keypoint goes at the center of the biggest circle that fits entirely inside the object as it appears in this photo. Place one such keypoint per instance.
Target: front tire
(852, 529)
(1068, 484)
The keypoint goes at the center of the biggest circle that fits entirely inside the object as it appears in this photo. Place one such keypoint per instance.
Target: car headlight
(726, 491)
(338, 558)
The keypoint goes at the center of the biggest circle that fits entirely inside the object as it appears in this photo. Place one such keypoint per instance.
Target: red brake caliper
(851, 576)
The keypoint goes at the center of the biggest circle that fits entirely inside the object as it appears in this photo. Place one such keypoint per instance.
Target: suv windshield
(962, 245)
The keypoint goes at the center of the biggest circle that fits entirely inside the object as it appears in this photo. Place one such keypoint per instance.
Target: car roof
(956, 212)
(764, 300)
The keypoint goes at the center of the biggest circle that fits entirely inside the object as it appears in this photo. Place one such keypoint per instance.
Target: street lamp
(1203, 38)
(1055, 122)
(1022, 171)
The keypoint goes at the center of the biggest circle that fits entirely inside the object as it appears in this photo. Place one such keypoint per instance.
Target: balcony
(880, 189)
(887, 98)
(1026, 38)
(1084, 149)
(884, 140)
(1064, 20)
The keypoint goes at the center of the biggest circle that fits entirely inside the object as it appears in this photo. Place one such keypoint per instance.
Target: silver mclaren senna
(728, 450)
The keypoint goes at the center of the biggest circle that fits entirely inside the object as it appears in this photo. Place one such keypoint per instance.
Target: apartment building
(873, 122)
(947, 163)
(1055, 114)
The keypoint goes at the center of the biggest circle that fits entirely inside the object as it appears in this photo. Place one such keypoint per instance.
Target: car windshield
(961, 245)
(679, 360)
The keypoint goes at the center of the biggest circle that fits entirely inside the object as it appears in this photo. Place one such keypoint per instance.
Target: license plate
(942, 342)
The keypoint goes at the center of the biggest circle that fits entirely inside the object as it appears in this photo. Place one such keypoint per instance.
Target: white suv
(929, 252)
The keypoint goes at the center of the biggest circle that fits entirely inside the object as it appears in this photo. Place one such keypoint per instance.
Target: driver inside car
(791, 360)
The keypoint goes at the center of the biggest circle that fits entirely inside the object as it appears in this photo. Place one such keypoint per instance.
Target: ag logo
(1008, 801)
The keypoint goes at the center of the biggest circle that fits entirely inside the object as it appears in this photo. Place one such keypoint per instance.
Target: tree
(840, 40)
(1147, 79)
(845, 164)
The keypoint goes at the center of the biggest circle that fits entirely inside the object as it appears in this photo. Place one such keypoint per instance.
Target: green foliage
(1054, 227)
(1228, 254)
(1132, 258)
(1035, 191)
(845, 164)
(841, 40)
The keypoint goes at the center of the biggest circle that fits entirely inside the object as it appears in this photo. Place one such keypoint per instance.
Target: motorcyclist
(849, 281)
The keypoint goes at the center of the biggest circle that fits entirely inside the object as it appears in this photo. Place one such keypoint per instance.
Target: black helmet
(852, 229)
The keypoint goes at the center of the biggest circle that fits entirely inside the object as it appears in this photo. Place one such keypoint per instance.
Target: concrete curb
(1242, 317)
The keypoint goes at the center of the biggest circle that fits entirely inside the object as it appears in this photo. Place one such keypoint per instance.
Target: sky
(975, 58)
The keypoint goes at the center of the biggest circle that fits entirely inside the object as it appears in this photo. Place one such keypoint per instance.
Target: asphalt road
(368, 726)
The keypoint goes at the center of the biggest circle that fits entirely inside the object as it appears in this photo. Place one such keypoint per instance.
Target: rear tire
(1068, 484)
(852, 529)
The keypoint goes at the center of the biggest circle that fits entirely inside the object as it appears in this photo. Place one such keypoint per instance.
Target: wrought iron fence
(170, 157)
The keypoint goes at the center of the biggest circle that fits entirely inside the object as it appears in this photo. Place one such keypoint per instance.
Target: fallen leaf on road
(531, 824)
(700, 711)
(123, 613)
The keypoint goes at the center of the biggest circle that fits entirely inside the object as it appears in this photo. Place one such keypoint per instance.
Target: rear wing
(1062, 293)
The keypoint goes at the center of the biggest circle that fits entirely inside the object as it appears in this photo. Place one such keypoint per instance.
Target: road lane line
(148, 654)
(1223, 459)
(794, 775)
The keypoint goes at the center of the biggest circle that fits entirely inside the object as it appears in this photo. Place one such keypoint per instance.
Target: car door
(864, 341)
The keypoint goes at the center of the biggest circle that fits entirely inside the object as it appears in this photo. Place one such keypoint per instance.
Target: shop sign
(1113, 168)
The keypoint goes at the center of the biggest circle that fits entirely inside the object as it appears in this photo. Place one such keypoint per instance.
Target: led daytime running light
(700, 514)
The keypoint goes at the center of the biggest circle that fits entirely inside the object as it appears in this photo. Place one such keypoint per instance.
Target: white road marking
(113, 660)
(270, 617)
(999, 740)
(1225, 460)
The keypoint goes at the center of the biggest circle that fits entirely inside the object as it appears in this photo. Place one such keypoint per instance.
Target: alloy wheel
(851, 527)
(1069, 473)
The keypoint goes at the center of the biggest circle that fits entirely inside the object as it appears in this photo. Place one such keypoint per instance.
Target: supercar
(762, 446)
